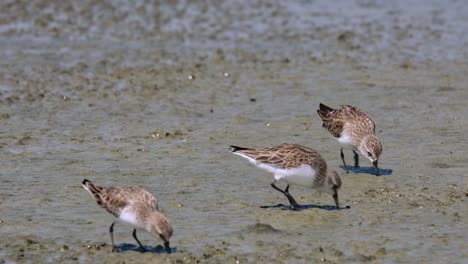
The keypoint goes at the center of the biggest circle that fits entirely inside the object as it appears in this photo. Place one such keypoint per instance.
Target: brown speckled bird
(135, 206)
(354, 130)
(295, 165)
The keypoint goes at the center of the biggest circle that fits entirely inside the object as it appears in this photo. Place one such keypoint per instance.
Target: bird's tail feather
(93, 189)
(236, 148)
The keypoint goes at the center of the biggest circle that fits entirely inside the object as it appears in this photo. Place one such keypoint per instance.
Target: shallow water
(106, 95)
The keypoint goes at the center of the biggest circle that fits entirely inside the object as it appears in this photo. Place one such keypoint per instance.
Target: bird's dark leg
(335, 196)
(376, 167)
(111, 232)
(292, 202)
(138, 241)
(167, 247)
(356, 159)
(344, 163)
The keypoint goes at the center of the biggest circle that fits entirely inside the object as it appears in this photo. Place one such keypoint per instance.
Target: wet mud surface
(135, 94)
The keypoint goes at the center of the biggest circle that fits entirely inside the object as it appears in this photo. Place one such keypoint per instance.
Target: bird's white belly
(128, 216)
(346, 141)
(302, 176)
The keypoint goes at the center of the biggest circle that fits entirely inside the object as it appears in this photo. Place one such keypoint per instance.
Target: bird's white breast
(347, 141)
(128, 216)
(303, 175)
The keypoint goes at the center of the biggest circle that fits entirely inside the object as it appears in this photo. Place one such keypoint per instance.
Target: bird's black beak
(376, 168)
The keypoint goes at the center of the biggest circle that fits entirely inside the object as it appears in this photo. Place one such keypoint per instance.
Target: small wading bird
(354, 130)
(132, 205)
(295, 165)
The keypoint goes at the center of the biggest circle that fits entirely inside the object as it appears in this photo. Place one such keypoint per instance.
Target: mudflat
(153, 95)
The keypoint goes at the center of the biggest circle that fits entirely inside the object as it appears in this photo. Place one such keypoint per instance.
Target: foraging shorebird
(354, 130)
(135, 206)
(295, 165)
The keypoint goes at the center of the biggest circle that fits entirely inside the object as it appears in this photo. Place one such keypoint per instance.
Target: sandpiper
(354, 130)
(132, 205)
(295, 165)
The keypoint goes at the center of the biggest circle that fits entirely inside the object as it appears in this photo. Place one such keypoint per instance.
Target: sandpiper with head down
(354, 130)
(135, 206)
(295, 165)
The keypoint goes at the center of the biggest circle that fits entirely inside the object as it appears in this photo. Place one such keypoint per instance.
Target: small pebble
(253, 100)
(226, 74)
(268, 124)
(191, 77)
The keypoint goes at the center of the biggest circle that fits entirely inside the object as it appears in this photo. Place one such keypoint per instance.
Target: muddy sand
(136, 94)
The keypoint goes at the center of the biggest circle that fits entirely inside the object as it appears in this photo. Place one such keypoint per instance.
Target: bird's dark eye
(369, 154)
